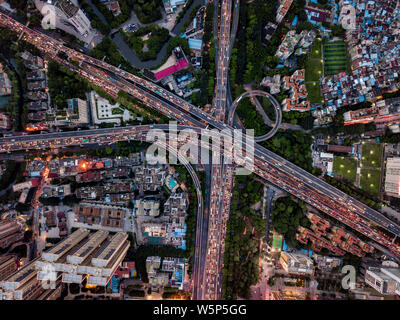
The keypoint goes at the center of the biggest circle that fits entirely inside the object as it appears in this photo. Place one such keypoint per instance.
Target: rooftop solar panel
(84, 253)
(24, 275)
(63, 248)
(98, 253)
(109, 254)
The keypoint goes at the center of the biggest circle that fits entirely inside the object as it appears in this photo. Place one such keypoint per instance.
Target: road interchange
(266, 164)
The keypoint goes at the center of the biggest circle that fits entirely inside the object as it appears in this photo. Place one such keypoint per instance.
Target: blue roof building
(195, 44)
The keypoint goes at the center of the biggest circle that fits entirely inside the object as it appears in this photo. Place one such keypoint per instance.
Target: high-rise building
(84, 254)
(68, 17)
(8, 265)
(25, 285)
(11, 231)
(392, 183)
(296, 263)
(22, 285)
(384, 280)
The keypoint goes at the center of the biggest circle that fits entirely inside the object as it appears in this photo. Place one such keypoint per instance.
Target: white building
(84, 254)
(392, 183)
(384, 280)
(102, 111)
(170, 6)
(67, 16)
(296, 263)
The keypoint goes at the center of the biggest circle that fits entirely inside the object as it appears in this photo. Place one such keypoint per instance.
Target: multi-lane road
(221, 175)
(268, 165)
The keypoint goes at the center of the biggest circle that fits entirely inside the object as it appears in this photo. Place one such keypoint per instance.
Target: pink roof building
(183, 63)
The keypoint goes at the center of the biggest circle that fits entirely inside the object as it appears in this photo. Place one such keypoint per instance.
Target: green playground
(276, 242)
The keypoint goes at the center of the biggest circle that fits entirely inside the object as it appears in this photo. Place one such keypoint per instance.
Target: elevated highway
(268, 165)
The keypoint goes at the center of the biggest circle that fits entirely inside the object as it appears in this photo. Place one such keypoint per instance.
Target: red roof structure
(183, 63)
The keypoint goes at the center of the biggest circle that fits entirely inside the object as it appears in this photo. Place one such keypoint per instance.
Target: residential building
(150, 177)
(295, 43)
(145, 207)
(25, 185)
(31, 61)
(5, 84)
(11, 231)
(37, 106)
(8, 265)
(56, 191)
(392, 177)
(22, 284)
(69, 18)
(102, 111)
(113, 6)
(338, 241)
(370, 28)
(384, 280)
(340, 149)
(95, 256)
(100, 217)
(5, 121)
(298, 93)
(317, 14)
(326, 263)
(170, 6)
(196, 27)
(283, 9)
(166, 271)
(296, 263)
(272, 83)
(126, 270)
(267, 33)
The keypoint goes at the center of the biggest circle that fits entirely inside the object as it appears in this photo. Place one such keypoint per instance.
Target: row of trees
(108, 49)
(14, 101)
(183, 11)
(17, 103)
(95, 21)
(114, 22)
(295, 146)
(287, 215)
(146, 11)
(147, 49)
(251, 54)
(12, 172)
(304, 119)
(191, 216)
(251, 118)
(205, 78)
(251, 60)
(20, 6)
(356, 193)
(245, 228)
(65, 84)
(191, 16)
(148, 114)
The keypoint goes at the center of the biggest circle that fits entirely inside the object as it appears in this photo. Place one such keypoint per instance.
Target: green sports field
(370, 181)
(314, 68)
(371, 155)
(346, 168)
(335, 58)
(276, 242)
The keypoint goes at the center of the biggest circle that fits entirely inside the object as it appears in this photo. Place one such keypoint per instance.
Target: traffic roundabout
(275, 103)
